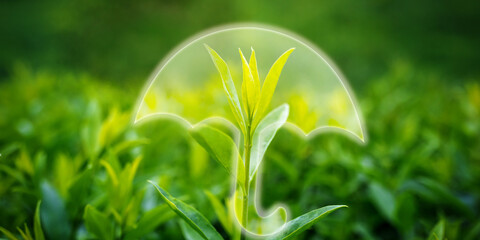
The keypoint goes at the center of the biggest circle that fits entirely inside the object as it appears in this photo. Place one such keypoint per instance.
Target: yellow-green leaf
(8, 234)
(438, 231)
(228, 86)
(193, 217)
(264, 134)
(269, 86)
(111, 173)
(250, 93)
(253, 68)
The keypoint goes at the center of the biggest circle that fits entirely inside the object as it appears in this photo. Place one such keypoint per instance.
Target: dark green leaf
(54, 216)
(438, 232)
(193, 217)
(383, 199)
(302, 223)
(37, 225)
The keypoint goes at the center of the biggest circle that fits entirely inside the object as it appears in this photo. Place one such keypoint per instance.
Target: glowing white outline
(283, 32)
(294, 128)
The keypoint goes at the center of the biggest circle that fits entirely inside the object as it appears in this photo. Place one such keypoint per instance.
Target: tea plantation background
(70, 73)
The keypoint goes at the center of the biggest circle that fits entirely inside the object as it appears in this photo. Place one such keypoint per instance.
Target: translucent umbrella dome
(186, 85)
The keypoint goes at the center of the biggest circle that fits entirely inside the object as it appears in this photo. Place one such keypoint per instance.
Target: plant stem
(247, 148)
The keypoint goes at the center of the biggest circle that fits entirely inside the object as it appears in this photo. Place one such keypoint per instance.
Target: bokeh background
(70, 73)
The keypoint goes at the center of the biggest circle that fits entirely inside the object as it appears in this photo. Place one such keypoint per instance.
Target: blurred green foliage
(125, 39)
(68, 141)
(70, 72)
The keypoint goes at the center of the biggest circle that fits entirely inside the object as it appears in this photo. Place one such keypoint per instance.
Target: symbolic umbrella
(186, 86)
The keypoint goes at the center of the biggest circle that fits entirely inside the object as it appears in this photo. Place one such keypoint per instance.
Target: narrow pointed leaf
(438, 231)
(253, 68)
(220, 211)
(37, 225)
(228, 86)
(221, 147)
(191, 216)
(8, 234)
(134, 167)
(269, 86)
(302, 223)
(264, 134)
(245, 100)
(25, 234)
(248, 87)
(111, 172)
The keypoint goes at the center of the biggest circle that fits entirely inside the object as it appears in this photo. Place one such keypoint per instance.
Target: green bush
(67, 140)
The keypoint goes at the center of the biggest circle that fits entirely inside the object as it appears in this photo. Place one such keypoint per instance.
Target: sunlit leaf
(264, 135)
(193, 217)
(269, 86)
(111, 172)
(253, 68)
(228, 86)
(250, 90)
(133, 168)
(302, 223)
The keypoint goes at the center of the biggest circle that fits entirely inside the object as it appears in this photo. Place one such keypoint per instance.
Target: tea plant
(258, 128)
(422, 158)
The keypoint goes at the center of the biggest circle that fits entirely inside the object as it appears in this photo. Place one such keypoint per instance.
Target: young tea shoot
(258, 127)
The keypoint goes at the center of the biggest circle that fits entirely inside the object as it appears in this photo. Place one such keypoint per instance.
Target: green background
(413, 65)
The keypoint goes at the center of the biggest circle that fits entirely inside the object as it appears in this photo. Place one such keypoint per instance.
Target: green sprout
(255, 103)
(258, 128)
